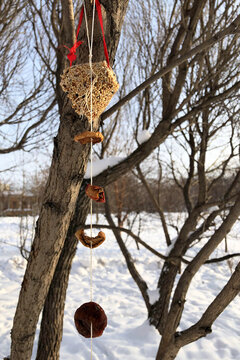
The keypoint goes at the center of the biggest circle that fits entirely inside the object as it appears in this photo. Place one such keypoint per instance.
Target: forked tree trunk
(67, 170)
(170, 353)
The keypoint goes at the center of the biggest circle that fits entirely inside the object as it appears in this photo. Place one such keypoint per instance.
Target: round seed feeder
(76, 82)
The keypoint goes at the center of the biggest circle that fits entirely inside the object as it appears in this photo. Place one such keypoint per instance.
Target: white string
(93, 19)
(91, 341)
(86, 22)
(90, 47)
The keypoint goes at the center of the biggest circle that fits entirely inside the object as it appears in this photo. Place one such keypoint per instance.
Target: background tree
(200, 142)
(27, 97)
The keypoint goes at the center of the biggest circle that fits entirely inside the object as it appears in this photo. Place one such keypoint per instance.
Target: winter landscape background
(128, 335)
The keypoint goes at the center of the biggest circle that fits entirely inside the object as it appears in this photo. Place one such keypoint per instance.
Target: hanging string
(86, 22)
(90, 46)
(72, 51)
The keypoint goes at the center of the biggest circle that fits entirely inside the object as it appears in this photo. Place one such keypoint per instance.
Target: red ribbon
(99, 11)
(72, 52)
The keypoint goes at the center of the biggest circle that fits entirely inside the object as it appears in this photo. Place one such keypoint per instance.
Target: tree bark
(50, 336)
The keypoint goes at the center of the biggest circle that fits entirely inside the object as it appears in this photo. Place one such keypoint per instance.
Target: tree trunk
(167, 352)
(52, 319)
(58, 206)
(67, 171)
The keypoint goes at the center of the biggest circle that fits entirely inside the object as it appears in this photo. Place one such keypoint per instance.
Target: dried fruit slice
(95, 193)
(86, 137)
(87, 314)
(87, 240)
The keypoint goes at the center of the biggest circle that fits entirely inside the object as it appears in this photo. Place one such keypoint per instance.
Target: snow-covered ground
(128, 335)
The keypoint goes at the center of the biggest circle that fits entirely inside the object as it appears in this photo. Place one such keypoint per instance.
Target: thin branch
(39, 12)
(155, 202)
(219, 304)
(129, 232)
(223, 258)
(24, 103)
(142, 285)
(153, 251)
(24, 137)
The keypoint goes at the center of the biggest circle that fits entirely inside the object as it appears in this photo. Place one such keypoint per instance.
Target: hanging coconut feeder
(76, 82)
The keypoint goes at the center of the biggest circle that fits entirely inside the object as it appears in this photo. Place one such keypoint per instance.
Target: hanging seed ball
(90, 313)
(76, 82)
(88, 136)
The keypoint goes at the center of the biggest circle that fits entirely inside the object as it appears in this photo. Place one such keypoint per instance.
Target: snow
(213, 208)
(101, 165)
(128, 334)
(153, 295)
(171, 246)
(143, 136)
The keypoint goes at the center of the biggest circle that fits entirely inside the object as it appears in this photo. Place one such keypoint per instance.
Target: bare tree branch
(184, 282)
(24, 137)
(130, 263)
(160, 211)
(231, 29)
(219, 304)
(129, 232)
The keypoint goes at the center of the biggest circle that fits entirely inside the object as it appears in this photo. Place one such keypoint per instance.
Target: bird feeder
(76, 82)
